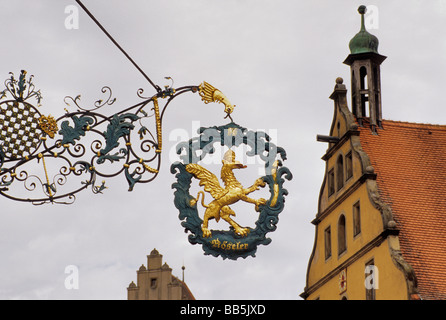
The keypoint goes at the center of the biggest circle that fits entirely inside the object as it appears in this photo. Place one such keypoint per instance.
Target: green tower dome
(363, 41)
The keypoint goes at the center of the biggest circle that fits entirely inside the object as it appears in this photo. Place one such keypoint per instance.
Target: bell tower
(364, 61)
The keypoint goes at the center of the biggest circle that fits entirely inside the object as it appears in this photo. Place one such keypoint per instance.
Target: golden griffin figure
(223, 197)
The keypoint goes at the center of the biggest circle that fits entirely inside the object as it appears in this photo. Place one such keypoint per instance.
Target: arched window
(327, 239)
(342, 238)
(354, 94)
(339, 173)
(356, 219)
(364, 94)
(363, 78)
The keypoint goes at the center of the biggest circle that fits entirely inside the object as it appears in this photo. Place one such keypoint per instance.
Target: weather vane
(44, 159)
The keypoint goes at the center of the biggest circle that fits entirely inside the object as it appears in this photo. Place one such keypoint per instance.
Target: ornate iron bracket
(43, 152)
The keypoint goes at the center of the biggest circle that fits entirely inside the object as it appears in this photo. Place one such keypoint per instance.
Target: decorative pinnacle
(363, 41)
(182, 268)
(362, 10)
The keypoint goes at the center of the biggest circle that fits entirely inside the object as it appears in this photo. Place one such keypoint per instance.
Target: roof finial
(362, 10)
(183, 267)
(363, 41)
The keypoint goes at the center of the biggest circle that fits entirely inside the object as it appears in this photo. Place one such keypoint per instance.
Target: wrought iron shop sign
(238, 241)
(40, 153)
(47, 159)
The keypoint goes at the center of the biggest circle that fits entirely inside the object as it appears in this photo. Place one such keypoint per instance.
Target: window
(331, 188)
(363, 91)
(356, 219)
(339, 173)
(363, 78)
(327, 236)
(349, 165)
(342, 239)
(354, 94)
(153, 283)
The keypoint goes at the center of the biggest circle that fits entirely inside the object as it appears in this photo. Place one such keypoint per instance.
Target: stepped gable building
(381, 219)
(156, 282)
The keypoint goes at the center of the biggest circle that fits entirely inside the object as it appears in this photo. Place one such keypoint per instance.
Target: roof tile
(410, 162)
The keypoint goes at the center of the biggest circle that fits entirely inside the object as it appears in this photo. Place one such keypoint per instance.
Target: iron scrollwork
(43, 152)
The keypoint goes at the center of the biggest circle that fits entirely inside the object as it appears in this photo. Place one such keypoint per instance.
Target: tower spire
(362, 10)
(364, 61)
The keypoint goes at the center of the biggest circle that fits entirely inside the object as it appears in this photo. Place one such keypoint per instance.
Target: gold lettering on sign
(227, 245)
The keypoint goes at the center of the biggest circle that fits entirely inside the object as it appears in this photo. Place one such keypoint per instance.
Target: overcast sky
(277, 61)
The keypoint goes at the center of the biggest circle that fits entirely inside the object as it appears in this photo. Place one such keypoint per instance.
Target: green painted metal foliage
(71, 134)
(116, 129)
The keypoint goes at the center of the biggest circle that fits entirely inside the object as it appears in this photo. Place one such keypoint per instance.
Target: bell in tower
(364, 61)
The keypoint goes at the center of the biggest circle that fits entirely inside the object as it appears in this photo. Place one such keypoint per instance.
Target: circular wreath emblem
(238, 241)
